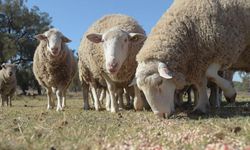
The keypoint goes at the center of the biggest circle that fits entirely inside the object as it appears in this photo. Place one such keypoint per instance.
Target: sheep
(54, 66)
(7, 83)
(242, 64)
(107, 52)
(191, 42)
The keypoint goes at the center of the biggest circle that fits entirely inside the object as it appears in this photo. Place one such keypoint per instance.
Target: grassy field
(28, 125)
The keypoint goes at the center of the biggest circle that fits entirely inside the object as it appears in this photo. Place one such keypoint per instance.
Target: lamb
(107, 52)
(54, 66)
(7, 83)
(191, 42)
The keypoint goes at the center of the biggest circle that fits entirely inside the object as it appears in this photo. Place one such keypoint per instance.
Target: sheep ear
(137, 37)
(40, 37)
(3, 66)
(65, 39)
(95, 37)
(163, 71)
(133, 82)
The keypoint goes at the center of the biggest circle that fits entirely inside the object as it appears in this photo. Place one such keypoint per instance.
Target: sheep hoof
(114, 111)
(85, 107)
(59, 109)
(49, 107)
(231, 99)
(108, 109)
(199, 112)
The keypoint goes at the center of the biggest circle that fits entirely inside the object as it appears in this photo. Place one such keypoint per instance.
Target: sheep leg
(203, 102)
(127, 97)
(49, 97)
(107, 101)
(138, 102)
(11, 96)
(103, 92)
(96, 100)
(189, 90)
(120, 98)
(2, 101)
(9, 99)
(226, 86)
(85, 92)
(178, 97)
(64, 99)
(4, 98)
(214, 96)
(59, 100)
(112, 90)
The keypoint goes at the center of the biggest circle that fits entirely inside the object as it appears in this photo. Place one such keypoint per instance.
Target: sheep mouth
(112, 71)
(55, 53)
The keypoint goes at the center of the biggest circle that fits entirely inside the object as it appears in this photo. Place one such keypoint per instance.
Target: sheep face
(158, 89)
(116, 44)
(54, 40)
(9, 70)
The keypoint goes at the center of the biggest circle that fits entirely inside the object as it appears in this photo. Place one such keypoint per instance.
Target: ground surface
(28, 125)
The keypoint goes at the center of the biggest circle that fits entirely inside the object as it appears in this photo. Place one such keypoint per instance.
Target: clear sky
(74, 17)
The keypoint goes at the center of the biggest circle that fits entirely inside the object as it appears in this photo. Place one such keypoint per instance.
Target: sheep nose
(112, 66)
(10, 73)
(54, 49)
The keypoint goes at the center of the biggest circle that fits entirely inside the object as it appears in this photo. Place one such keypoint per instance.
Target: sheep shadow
(239, 109)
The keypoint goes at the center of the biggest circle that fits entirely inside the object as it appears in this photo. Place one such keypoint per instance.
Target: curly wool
(53, 71)
(192, 34)
(91, 55)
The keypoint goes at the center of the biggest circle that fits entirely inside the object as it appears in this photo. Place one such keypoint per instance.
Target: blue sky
(74, 17)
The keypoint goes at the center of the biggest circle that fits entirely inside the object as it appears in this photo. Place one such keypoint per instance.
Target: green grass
(28, 125)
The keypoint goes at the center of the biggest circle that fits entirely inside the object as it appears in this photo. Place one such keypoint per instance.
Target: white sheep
(54, 65)
(191, 42)
(7, 83)
(107, 51)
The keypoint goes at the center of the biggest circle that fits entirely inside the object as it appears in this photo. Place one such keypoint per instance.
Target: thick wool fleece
(195, 33)
(7, 84)
(53, 71)
(91, 55)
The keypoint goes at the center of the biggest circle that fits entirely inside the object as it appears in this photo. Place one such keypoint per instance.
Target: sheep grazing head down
(9, 70)
(54, 40)
(116, 44)
(157, 83)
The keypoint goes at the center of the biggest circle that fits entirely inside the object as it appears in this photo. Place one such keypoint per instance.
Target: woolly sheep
(107, 51)
(54, 65)
(7, 83)
(190, 43)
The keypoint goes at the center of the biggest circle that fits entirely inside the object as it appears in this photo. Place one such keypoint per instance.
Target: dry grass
(27, 125)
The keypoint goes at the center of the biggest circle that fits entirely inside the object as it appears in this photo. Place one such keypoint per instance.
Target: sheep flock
(191, 43)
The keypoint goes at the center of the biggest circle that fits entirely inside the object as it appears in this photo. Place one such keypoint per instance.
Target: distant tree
(245, 81)
(18, 25)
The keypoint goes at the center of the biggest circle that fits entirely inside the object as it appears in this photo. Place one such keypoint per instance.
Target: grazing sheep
(54, 66)
(107, 51)
(191, 42)
(7, 83)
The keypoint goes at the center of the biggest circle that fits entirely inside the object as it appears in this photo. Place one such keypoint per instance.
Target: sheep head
(54, 40)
